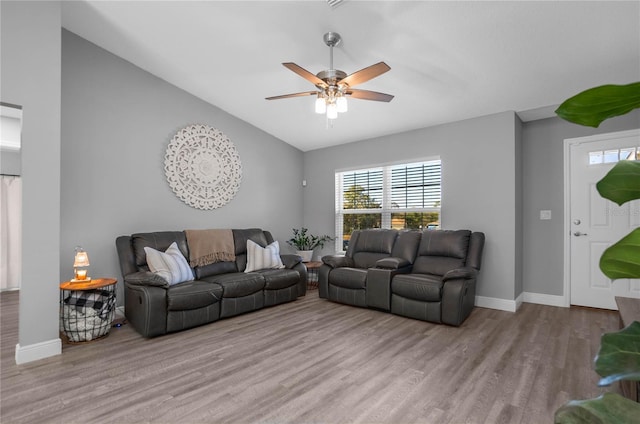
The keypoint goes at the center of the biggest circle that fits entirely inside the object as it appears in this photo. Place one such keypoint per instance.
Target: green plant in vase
(306, 243)
(619, 354)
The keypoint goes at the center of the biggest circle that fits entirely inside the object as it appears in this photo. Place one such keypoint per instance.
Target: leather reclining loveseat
(219, 290)
(427, 275)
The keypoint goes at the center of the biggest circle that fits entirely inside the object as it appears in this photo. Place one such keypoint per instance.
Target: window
(393, 196)
(612, 156)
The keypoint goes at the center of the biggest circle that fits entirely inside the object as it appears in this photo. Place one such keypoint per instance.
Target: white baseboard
(38, 351)
(519, 301)
(514, 305)
(545, 299)
(496, 303)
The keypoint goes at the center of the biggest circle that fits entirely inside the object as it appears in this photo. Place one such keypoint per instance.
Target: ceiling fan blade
(305, 74)
(364, 75)
(370, 95)
(286, 96)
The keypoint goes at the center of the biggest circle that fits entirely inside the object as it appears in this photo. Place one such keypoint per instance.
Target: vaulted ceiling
(450, 60)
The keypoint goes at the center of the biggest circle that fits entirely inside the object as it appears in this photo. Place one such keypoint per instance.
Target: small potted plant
(305, 243)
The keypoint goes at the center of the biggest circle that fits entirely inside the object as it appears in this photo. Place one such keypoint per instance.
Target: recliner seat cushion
(348, 278)
(192, 295)
(238, 284)
(418, 287)
(275, 279)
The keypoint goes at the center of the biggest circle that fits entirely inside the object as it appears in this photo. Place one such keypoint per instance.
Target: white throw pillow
(170, 265)
(259, 257)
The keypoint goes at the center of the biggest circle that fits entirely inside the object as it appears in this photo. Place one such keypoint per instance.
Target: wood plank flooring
(313, 361)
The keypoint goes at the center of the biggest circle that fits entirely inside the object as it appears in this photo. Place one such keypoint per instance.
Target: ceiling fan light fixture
(321, 104)
(341, 104)
(332, 111)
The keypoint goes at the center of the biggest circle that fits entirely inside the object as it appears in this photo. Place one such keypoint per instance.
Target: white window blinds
(395, 196)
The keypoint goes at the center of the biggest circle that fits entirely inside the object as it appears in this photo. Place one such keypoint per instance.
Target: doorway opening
(10, 197)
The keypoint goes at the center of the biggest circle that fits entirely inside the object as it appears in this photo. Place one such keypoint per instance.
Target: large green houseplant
(619, 354)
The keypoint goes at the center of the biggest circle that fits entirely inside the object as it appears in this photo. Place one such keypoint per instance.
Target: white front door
(597, 223)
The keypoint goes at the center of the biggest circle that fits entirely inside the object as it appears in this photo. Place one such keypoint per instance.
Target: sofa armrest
(378, 293)
(466, 273)
(337, 261)
(146, 278)
(458, 300)
(290, 261)
(392, 263)
(146, 308)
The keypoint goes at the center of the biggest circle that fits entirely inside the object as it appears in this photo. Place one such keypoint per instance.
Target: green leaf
(622, 182)
(608, 408)
(622, 260)
(597, 104)
(619, 355)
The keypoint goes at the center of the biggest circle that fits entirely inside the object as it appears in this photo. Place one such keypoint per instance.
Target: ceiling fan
(334, 85)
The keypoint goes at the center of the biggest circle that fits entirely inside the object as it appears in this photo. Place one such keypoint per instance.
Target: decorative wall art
(203, 167)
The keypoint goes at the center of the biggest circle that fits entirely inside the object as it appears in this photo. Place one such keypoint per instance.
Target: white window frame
(386, 210)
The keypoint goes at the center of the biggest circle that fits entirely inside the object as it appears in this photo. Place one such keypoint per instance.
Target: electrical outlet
(545, 215)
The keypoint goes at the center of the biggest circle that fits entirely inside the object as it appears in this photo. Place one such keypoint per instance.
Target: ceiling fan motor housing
(331, 76)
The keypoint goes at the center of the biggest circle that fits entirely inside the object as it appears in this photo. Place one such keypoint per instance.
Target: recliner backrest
(240, 238)
(159, 240)
(476, 245)
(443, 250)
(371, 245)
(406, 245)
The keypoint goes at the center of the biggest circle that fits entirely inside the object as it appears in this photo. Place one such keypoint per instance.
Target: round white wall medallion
(203, 167)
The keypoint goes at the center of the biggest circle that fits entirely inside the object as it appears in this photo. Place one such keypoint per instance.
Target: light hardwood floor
(314, 361)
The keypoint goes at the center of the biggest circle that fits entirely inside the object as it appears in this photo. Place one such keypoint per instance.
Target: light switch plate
(545, 214)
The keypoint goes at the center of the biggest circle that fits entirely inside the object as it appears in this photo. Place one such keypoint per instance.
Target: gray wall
(31, 78)
(478, 185)
(10, 162)
(519, 205)
(543, 187)
(117, 121)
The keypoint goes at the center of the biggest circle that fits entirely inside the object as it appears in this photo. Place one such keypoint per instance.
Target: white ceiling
(450, 60)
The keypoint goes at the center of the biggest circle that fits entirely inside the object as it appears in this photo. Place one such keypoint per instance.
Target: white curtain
(10, 232)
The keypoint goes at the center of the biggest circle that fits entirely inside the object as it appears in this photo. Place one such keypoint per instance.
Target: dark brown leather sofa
(219, 290)
(428, 275)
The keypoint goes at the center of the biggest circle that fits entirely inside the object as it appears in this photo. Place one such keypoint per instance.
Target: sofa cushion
(259, 257)
(215, 269)
(159, 240)
(238, 284)
(373, 245)
(441, 251)
(170, 265)
(367, 259)
(427, 288)
(348, 278)
(192, 295)
(240, 238)
(275, 279)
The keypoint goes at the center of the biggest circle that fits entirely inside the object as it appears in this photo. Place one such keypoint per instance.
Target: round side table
(312, 274)
(87, 308)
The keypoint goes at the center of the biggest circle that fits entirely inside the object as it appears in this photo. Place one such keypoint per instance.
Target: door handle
(578, 234)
